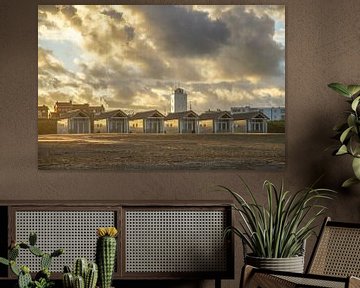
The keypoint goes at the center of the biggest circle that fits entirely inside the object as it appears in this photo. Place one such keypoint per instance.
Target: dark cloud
(130, 32)
(52, 9)
(183, 32)
(113, 14)
(252, 49)
(70, 13)
(43, 11)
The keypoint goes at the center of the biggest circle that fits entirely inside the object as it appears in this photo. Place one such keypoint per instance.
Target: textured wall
(323, 46)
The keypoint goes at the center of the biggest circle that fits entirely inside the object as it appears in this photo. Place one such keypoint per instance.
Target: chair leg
(354, 282)
(250, 278)
(217, 283)
(246, 273)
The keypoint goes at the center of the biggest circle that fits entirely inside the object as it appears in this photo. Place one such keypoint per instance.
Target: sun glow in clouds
(132, 57)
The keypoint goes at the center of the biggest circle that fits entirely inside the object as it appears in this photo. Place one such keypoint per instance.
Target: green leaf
(351, 120)
(349, 182)
(342, 150)
(14, 268)
(340, 88)
(356, 167)
(353, 89)
(355, 103)
(345, 134)
(4, 261)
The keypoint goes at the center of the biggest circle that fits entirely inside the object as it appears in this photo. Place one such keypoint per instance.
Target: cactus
(79, 282)
(91, 276)
(36, 251)
(43, 274)
(90, 272)
(105, 255)
(14, 268)
(68, 280)
(45, 261)
(24, 280)
(80, 267)
(13, 253)
(42, 278)
(32, 238)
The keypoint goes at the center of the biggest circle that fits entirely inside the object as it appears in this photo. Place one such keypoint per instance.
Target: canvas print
(161, 87)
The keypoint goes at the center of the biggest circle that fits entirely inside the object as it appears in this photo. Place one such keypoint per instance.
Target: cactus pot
(291, 264)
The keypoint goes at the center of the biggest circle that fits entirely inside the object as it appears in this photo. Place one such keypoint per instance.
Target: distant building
(178, 101)
(111, 122)
(64, 107)
(250, 122)
(74, 122)
(216, 122)
(273, 113)
(182, 122)
(43, 112)
(147, 122)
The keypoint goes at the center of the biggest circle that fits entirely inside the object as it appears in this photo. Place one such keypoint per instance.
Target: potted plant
(276, 233)
(349, 132)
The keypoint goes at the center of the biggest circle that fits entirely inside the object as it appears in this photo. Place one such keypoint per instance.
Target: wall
(323, 40)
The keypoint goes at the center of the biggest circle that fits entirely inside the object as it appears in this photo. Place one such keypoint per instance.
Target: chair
(335, 262)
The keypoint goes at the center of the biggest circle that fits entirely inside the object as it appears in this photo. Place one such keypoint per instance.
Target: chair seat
(315, 282)
(267, 279)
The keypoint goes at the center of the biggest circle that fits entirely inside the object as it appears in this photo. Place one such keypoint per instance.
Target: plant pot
(291, 264)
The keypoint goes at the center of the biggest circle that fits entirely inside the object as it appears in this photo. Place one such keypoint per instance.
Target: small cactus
(79, 282)
(24, 278)
(106, 254)
(91, 276)
(68, 280)
(89, 272)
(80, 267)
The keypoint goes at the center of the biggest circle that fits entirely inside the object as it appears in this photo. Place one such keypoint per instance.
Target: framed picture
(161, 87)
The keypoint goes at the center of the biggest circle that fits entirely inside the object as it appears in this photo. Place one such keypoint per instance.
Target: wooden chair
(335, 262)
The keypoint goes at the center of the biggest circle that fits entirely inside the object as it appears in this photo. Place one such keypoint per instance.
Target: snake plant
(279, 228)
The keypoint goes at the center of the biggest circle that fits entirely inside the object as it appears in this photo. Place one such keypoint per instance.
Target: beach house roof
(74, 113)
(249, 115)
(181, 115)
(213, 115)
(147, 114)
(110, 114)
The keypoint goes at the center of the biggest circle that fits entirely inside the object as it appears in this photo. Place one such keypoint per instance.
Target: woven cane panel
(175, 241)
(74, 231)
(308, 282)
(338, 253)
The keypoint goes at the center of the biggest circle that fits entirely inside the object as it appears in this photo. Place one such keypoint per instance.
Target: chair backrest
(337, 251)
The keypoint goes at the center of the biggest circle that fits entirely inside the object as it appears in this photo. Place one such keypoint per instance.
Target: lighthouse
(178, 101)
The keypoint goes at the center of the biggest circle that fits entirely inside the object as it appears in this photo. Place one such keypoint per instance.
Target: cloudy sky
(132, 57)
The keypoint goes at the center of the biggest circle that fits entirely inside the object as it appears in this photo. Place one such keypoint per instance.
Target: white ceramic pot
(291, 264)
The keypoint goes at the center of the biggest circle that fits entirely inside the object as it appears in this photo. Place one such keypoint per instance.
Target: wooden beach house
(74, 122)
(147, 122)
(182, 122)
(250, 122)
(216, 122)
(111, 122)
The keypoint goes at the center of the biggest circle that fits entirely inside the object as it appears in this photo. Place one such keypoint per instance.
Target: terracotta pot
(291, 264)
